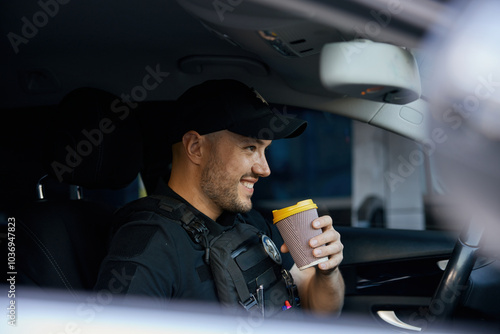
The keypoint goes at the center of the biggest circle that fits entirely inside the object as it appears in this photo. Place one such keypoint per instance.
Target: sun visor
(369, 70)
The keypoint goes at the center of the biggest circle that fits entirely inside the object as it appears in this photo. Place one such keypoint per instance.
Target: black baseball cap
(217, 105)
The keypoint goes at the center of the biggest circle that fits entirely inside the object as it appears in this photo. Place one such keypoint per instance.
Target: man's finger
(322, 222)
(324, 238)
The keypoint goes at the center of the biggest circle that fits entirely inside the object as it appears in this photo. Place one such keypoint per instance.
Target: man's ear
(192, 142)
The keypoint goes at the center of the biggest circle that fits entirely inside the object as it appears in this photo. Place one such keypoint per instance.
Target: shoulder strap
(179, 211)
(176, 211)
(182, 214)
(202, 235)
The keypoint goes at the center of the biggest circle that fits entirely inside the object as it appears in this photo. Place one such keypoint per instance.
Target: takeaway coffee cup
(295, 226)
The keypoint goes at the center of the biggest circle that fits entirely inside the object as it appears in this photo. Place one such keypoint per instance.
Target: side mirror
(369, 70)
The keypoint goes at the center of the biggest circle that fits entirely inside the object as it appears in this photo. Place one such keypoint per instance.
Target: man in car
(221, 134)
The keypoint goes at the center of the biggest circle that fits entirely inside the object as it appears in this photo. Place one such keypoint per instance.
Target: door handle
(391, 318)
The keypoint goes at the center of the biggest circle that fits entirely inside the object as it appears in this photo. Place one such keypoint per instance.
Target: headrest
(95, 141)
(157, 123)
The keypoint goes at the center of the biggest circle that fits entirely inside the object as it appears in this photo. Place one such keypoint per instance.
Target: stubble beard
(222, 190)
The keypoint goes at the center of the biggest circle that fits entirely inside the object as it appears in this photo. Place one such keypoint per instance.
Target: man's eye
(251, 148)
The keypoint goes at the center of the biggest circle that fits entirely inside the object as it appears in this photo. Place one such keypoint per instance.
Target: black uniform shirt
(151, 255)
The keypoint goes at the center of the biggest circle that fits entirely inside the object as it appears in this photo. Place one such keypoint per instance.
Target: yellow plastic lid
(291, 210)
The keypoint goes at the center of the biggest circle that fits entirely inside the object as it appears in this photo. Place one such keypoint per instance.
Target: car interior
(88, 98)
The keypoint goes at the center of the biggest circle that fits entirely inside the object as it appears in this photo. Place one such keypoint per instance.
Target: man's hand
(326, 244)
(322, 289)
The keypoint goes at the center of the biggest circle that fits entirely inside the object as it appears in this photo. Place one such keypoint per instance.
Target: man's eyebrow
(250, 141)
(262, 143)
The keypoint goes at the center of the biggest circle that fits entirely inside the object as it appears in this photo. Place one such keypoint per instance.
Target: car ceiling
(109, 45)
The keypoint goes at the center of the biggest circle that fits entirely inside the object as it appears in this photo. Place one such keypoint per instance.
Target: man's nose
(261, 168)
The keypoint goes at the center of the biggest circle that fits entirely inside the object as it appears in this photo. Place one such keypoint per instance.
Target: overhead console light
(369, 70)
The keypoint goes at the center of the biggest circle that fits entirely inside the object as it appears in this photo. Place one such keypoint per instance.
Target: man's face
(234, 165)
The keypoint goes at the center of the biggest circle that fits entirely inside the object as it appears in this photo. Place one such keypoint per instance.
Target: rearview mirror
(369, 70)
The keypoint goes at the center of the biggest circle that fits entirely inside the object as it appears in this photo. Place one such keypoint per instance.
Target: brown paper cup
(295, 226)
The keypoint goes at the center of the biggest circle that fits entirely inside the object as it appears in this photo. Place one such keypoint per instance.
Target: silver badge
(271, 249)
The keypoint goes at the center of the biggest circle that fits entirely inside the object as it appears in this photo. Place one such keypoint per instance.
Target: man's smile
(248, 184)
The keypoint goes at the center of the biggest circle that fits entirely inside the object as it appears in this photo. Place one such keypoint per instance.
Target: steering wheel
(453, 283)
(457, 273)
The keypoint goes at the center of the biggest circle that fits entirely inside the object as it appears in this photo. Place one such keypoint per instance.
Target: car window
(310, 166)
(363, 176)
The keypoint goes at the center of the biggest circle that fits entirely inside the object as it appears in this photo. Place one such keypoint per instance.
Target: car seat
(92, 143)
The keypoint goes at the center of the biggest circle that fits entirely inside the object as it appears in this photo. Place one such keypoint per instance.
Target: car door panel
(395, 270)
